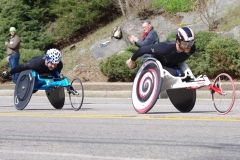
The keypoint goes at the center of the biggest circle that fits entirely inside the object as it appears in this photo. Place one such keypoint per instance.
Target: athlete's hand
(5, 74)
(131, 64)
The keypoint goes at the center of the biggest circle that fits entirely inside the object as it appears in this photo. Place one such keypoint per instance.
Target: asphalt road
(111, 129)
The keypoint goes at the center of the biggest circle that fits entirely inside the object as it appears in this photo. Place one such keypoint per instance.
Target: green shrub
(171, 36)
(114, 67)
(224, 53)
(27, 54)
(199, 64)
(202, 39)
(31, 19)
(215, 55)
(41, 24)
(131, 49)
(200, 59)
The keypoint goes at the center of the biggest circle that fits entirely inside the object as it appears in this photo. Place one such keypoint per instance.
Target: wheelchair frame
(181, 92)
(30, 81)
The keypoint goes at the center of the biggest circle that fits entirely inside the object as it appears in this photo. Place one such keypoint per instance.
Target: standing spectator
(149, 37)
(13, 53)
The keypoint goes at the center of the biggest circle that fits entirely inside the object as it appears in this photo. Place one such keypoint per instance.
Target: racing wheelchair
(29, 82)
(152, 79)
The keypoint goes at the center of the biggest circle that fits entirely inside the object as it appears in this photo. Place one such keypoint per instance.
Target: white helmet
(53, 55)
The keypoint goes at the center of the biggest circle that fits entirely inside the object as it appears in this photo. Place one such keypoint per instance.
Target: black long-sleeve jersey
(37, 64)
(165, 52)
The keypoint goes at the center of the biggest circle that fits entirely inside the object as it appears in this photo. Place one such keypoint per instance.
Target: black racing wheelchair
(152, 79)
(29, 82)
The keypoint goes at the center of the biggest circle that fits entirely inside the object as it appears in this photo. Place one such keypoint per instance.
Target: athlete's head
(185, 38)
(53, 57)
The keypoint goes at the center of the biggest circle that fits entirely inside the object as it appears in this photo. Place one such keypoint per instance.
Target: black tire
(224, 102)
(56, 97)
(146, 87)
(76, 97)
(182, 99)
(23, 89)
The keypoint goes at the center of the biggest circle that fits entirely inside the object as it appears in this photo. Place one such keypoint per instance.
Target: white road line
(68, 155)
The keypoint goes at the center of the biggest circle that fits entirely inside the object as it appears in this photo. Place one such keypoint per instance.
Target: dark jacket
(165, 52)
(37, 64)
(152, 38)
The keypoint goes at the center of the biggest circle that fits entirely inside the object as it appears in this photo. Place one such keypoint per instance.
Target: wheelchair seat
(46, 75)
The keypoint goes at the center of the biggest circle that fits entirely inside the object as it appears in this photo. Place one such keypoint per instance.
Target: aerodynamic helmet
(53, 55)
(185, 34)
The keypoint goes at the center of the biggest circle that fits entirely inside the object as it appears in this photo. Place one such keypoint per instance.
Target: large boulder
(107, 47)
(163, 27)
(131, 27)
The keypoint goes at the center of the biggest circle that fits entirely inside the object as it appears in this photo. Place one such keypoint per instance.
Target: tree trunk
(122, 9)
(128, 7)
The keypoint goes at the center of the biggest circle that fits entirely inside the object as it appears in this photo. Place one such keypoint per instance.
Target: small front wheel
(76, 94)
(223, 93)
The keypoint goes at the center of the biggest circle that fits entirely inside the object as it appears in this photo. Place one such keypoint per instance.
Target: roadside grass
(173, 6)
(230, 20)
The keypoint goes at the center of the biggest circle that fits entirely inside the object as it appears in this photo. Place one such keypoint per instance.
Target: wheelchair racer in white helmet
(41, 64)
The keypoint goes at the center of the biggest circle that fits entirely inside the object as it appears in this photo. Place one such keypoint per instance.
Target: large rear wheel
(224, 100)
(146, 87)
(56, 97)
(182, 99)
(23, 89)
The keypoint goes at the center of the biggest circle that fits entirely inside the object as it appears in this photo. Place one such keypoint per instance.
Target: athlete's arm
(32, 64)
(155, 49)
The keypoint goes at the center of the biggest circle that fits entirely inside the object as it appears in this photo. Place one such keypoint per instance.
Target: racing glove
(5, 74)
(131, 64)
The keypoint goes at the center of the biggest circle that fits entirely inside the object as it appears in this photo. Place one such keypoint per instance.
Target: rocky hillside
(82, 59)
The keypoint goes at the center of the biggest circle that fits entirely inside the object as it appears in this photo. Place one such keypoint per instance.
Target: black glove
(5, 74)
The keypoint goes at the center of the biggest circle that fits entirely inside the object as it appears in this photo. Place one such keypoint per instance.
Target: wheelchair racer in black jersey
(43, 73)
(169, 53)
(48, 64)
